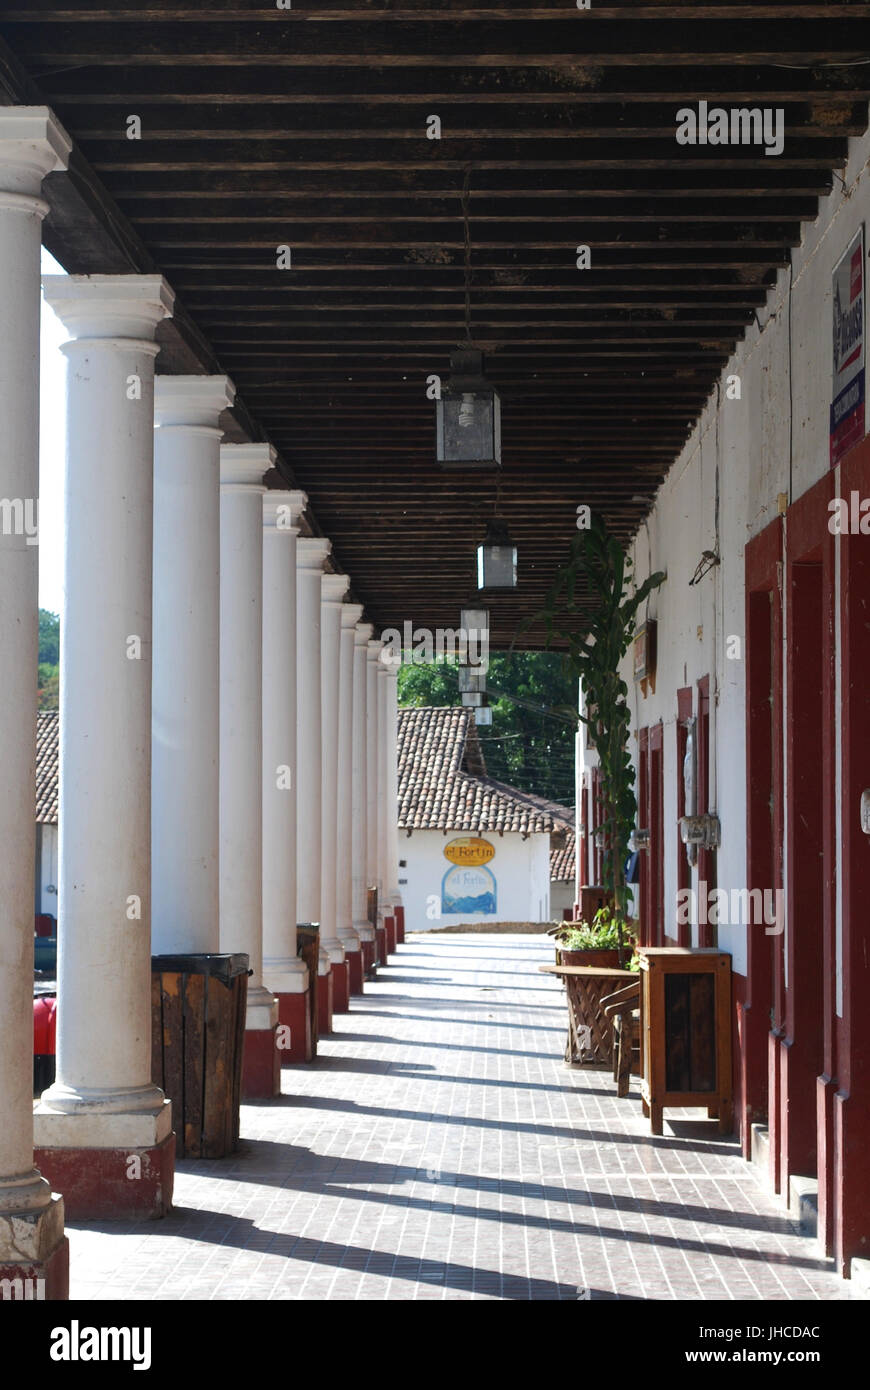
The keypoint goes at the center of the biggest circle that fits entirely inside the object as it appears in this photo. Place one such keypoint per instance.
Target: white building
(471, 850)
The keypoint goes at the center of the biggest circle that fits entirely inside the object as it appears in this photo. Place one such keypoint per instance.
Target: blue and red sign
(847, 397)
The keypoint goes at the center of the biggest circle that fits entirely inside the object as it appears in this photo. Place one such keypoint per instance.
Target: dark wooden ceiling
(307, 127)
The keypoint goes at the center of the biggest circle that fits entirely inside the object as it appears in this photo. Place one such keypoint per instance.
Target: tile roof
(47, 727)
(443, 783)
(562, 865)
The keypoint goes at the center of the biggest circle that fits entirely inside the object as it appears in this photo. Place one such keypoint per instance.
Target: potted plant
(591, 609)
(595, 943)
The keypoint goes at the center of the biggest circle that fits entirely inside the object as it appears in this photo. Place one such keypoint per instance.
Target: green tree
(49, 638)
(530, 743)
(48, 691)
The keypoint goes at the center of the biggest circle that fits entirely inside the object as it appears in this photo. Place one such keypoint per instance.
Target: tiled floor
(439, 1148)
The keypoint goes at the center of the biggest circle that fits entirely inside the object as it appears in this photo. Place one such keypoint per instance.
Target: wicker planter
(590, 1031)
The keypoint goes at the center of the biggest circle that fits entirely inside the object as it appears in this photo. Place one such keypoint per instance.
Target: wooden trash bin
(685, 1016)
(198, 1005)
(308, 948)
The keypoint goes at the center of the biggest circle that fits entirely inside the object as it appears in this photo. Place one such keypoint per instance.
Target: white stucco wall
(759, 446)
(561, 897)
(46, 869)
(521, 869)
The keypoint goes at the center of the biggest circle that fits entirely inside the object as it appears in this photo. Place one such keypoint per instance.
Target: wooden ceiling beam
(579, 41)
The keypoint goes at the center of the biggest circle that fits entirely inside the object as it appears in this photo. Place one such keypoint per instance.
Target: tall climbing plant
(599, 567)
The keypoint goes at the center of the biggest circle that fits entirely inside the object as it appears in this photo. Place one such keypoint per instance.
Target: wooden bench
(590, 1030)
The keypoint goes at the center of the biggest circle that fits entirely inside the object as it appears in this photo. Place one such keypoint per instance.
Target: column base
(368, 959)
(381, 944)
(294, 1014)
(261, 1065)
(354, 961)
(324, 1003)
(340, 987)
(126, 1184)
(34, 1254)
(390, 929)
(399, 913)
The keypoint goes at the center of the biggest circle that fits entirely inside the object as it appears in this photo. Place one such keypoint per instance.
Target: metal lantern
(468, 415)
(471, 678)
(497, 558)
(474, 622)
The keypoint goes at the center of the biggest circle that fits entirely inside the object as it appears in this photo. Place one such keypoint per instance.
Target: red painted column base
(293, 1013)
(368, 955)
(324, 1003)
(261, 1064)
(390, 929)
(381, 945)
(354, 962)
(340, 988)
(98, 1184)
(851, 1203)
(400, 925)
(37, 1279)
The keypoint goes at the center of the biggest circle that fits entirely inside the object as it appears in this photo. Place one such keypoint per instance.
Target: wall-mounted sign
(469, 849)
(847, 393)
(465, 890)
(644, 655)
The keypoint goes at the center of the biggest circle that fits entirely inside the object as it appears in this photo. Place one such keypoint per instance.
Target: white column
(31, 145)
(241, 716)
(283, 971)
(333, 589)
(373, 651)
(384, 898)
(311, 555)
(391, 760)
(103, 1097)
(350, 614)
(359, 794)
(185, 717)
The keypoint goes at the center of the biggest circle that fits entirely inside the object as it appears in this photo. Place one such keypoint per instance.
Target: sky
(52, 444)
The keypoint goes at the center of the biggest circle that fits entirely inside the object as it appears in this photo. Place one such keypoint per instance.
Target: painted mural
(465, 890)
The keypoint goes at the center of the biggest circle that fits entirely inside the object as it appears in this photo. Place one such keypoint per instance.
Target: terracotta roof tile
(47, 729)
(562, 866)
(437, 791)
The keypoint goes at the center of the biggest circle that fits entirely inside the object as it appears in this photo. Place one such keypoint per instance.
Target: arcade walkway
(440, 1149)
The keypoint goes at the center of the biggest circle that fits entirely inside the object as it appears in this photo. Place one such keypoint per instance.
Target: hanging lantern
(483, 715)
(468, 415)
(471, 678)
(497, 558)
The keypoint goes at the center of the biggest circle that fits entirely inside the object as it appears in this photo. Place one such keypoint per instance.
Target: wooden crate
(198, 1005)
(686, 1032)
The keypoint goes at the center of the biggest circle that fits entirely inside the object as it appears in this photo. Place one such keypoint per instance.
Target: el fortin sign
(847, 393)
(468, 885)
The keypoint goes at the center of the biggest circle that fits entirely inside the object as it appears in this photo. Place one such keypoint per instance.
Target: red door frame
(759, 994)
(684, 713)
(805, 1119)
(850, 1200)
(706, 857)
(656, 822)
(643, 891)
